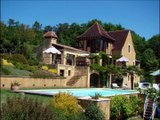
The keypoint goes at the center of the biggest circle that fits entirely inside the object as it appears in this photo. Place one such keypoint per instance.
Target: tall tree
(154, 44)
(48, 28)
(37, 26)
(149, 61)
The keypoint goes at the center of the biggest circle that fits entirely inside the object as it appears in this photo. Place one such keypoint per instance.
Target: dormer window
(129, 48)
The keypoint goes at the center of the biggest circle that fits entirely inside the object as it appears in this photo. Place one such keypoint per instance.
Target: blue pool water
(82, 92)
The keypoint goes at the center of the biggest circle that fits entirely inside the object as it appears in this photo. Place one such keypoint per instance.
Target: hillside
(19, 38)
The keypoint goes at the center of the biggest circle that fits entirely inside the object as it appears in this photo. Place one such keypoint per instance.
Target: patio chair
(114, 85)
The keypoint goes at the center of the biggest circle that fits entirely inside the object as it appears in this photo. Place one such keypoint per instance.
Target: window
(62, 73)
(129, 48)
(69, 72)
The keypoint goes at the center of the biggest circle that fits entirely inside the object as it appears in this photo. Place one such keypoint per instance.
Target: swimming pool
(83, 92)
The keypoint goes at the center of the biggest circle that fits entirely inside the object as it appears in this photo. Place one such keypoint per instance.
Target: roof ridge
(99, 29)
(118, 31)
(87, 30)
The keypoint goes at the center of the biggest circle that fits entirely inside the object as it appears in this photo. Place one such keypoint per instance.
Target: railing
(154, 106)
(145, 105)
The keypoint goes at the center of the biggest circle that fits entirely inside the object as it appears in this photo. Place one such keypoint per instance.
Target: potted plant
(15, 85)
(96, 96)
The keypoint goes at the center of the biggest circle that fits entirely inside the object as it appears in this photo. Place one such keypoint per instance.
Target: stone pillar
(88, 77)
(102, 103)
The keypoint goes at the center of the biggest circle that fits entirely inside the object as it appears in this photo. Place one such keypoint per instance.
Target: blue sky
(142, 16)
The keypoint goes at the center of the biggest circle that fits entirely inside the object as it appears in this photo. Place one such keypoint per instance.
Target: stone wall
(102, 103)
(27, 82)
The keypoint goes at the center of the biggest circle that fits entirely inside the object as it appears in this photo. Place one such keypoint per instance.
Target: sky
(142, 16)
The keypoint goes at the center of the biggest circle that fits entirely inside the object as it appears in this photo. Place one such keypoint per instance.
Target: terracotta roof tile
(120, 37)
(50, 34)
(95, 31)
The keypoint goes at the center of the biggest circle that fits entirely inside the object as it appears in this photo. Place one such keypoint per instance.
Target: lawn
(5, 93)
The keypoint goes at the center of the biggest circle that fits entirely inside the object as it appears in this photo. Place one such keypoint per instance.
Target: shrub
(24, 108)
(96, 96)
(19, 66)
(42, 74)
(26, 67)
(92, 112)
(66, 103)
(19, 58)
(30, 68)
(137, 105)
(116, 107)
(52, 71)
(44, 67)
(60, 115)
(6, 63)
(15, 83)
(123, 107)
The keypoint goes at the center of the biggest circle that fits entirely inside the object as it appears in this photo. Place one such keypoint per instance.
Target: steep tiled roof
(50, 34)
(95, 31)
(120, 37)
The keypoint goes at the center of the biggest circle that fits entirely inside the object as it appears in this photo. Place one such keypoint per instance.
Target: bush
(24, 108)
(42, 74)
(60, 115)
(44, 67)
(18, 58)
(92, 112)
(26, 67)
(52, 71)
(137, 105)
(123, 107)
(6, 63)
(66, 103)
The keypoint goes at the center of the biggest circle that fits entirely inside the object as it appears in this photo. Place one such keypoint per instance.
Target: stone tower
(50, 38)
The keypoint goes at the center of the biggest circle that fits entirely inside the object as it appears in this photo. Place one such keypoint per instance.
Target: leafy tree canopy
(23, 39)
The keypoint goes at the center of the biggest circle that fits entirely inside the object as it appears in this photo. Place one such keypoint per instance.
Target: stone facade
(117, 43)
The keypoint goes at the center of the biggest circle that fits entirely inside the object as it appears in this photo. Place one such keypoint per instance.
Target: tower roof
(50, 34)
(95, 31)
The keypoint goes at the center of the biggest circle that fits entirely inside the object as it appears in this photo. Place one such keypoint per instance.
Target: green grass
(5, 93)
(9, 70)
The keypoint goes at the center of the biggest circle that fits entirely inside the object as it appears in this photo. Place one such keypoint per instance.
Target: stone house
(72, 63)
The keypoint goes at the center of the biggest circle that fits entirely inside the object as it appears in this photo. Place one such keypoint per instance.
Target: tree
(154, 44)
(11, 22)
(139, 45)
(4, 41)
(37, 26)
(149, 61)
(48, 28)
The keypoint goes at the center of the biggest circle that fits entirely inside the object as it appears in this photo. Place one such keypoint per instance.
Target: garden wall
(28, 82)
